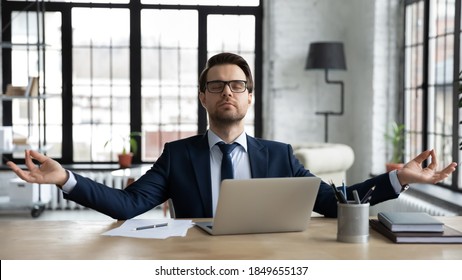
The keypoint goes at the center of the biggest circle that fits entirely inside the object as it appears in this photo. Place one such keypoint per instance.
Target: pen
(151, 226)
(368, 195)
(356, 196)
(344, 189)
(339, 195)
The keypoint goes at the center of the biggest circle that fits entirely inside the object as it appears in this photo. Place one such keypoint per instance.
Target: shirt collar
(214, 139)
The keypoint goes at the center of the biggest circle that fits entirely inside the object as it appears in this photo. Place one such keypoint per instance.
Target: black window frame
(135, 8)
(424, 87)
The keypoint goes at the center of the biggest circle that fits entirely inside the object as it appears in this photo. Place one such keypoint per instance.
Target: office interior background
(119, 66)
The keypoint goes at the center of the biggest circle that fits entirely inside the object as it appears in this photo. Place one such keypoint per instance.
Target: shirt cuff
(70, 184)
(394, 181)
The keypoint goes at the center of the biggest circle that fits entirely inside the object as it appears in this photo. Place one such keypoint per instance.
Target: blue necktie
(226, 163)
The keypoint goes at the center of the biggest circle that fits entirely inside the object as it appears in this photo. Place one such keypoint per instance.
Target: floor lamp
(327, 55)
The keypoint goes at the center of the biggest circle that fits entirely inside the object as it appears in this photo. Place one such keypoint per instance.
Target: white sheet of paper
(174, 228)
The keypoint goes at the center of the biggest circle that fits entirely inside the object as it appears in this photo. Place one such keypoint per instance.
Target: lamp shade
(326, 55)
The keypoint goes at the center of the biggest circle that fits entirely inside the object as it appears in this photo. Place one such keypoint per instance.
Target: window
(169, 77)
(432, 52)
(30, 55)
(121, 66)
(101, 81)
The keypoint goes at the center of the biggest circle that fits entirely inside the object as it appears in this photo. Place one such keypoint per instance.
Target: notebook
(264, 205)
(448, 235)
(410, 221)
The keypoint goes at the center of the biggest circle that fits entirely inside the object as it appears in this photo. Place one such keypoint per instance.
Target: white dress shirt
(239, 158)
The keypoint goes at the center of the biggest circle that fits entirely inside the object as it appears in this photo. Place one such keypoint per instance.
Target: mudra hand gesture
(48, 171)
(412, 172)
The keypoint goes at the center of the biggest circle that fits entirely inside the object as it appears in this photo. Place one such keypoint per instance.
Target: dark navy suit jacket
(182, 173)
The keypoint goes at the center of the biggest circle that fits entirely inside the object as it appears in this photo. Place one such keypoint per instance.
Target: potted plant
(129, 148)
(395, 136)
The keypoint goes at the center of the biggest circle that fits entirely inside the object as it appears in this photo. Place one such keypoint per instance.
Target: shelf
(9, 45)
(27, 36)
(21, 148)
(44, 96)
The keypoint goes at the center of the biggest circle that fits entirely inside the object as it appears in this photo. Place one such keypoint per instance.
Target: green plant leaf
(133, 142)
(395, 136)
(129, 141)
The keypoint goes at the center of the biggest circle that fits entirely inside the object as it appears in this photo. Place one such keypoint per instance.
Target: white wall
(293, 95)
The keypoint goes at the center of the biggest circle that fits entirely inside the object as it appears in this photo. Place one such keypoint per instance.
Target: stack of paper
(147, 228)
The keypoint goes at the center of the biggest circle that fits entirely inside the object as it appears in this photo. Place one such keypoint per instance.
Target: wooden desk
(83, 240)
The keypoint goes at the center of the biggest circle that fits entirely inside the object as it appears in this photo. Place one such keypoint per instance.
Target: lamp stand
(326, 124)
(327, 113)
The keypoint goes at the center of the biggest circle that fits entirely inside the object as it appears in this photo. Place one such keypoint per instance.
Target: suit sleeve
(116, 203)
(326, 203)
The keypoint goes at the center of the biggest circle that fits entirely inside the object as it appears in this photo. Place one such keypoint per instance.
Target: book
(448, 235)
(32, 87)
(410, 221)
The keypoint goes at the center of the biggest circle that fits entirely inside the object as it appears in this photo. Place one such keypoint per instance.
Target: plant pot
(125, 160)
(390, 166)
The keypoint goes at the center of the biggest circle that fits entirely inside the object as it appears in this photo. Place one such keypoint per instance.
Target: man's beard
(226, 119)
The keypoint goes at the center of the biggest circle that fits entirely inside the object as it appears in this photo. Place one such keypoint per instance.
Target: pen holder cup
(353, 222)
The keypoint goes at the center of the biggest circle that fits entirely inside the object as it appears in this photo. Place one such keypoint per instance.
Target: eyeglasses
(236, 86)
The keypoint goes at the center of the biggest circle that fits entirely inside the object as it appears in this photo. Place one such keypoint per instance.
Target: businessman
(189, 170)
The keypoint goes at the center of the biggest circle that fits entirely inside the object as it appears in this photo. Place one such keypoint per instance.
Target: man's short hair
(226, 58)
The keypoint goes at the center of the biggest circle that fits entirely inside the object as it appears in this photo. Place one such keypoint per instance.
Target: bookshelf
(23, 104)
(23, 100)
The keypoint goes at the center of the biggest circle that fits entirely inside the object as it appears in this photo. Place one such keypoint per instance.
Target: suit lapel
(258, 156)
(200, 159)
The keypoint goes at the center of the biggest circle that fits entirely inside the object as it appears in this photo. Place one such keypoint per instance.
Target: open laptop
(263, 205)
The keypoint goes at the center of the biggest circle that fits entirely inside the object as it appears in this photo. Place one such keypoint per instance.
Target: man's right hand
(49, 171)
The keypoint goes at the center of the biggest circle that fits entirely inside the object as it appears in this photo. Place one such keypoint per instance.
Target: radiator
(59, 203)
(404, 203)
(408, 203)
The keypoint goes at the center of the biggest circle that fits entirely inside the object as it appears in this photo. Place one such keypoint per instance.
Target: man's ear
(202, 98)
(249, 97)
